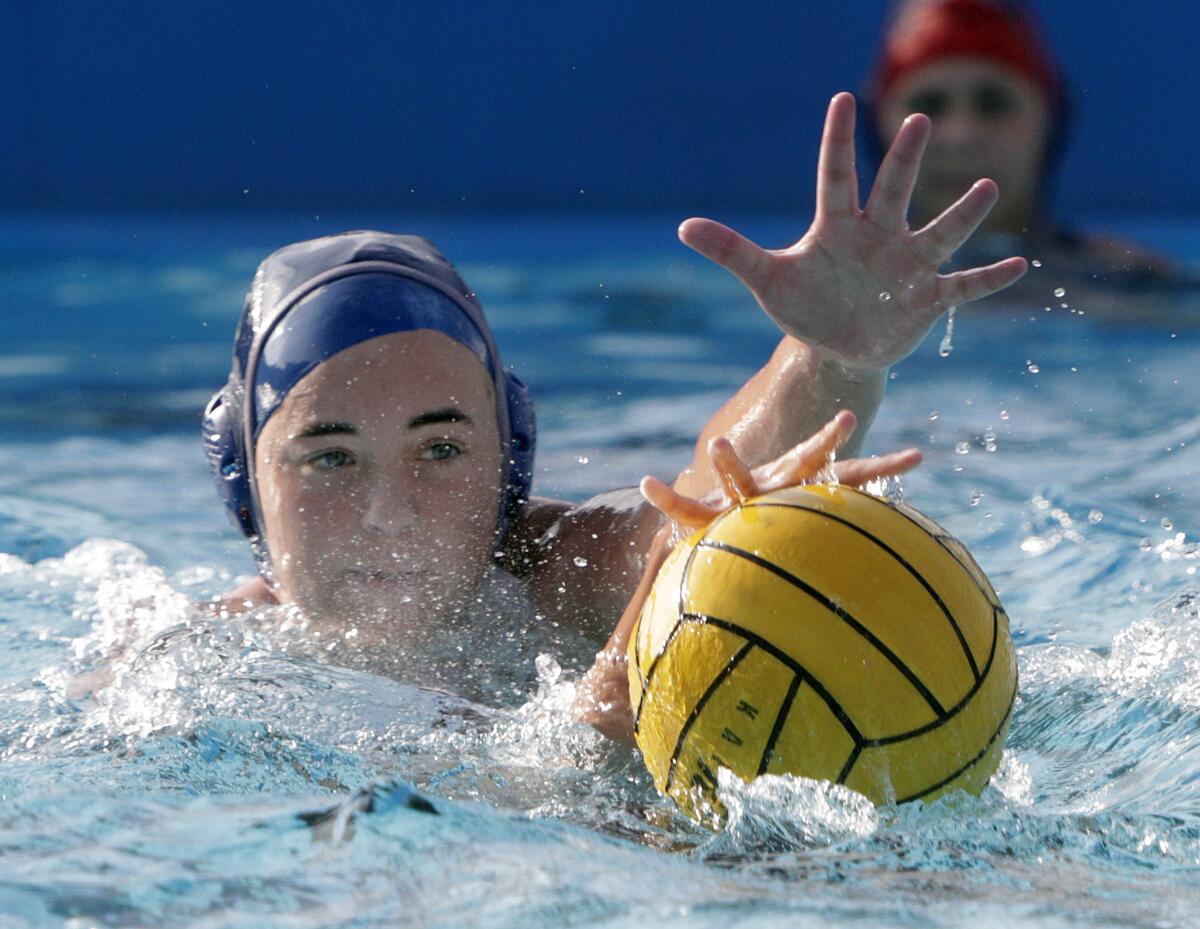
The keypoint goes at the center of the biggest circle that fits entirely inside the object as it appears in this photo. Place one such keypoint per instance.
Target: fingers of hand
(735, 477)
(890, 197)
(857, 471)
(943, 235)
(965, 286)
(731, 250)
(837, 176)
(806, 460)
(676, 507)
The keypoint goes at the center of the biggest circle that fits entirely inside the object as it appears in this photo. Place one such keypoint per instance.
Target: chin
(406, 601)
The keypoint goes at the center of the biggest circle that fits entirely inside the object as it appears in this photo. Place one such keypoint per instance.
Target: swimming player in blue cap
(373, 448)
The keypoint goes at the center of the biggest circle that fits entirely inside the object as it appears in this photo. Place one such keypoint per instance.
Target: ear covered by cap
(223, 448)
(523, 429)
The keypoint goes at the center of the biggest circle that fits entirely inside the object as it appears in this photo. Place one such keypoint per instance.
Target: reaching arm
(857, 293)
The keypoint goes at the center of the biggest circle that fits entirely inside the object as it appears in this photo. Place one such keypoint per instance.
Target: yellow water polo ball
(823, 632)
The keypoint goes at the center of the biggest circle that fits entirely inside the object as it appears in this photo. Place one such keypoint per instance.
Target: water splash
(786, 812)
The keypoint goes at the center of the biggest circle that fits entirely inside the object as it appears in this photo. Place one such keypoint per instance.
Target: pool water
(223, 782)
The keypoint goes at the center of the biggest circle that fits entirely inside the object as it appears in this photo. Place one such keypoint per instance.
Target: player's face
(988, 121)
(379, 480)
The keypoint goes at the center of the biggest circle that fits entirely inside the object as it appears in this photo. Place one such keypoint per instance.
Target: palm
(860, 285)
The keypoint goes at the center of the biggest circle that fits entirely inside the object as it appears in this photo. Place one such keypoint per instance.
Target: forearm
(603, 695)
(787, 400)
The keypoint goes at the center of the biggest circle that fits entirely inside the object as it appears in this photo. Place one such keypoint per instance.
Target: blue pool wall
(462, 106)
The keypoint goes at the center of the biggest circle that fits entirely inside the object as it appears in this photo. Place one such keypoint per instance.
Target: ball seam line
(679, 612)
(941, 537)
(830, 701)
(780, 721)
(958, 707)
(796, 668)
(842, 614)
(851, 761)
(974, 761)
(637, 716)
(713, 686)
(962, 640)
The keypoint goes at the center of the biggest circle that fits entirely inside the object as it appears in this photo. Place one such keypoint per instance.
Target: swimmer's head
(369, 441)
(982, 72)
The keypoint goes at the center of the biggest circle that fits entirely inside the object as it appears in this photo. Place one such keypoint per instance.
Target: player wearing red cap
(984, 74)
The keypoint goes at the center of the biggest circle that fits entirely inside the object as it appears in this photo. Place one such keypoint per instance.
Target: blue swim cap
(314, 299)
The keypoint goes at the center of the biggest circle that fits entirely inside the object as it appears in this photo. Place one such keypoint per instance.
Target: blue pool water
(194, 791)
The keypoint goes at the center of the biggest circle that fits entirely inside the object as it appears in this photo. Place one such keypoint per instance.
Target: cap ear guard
(223, 448)
(523, 428)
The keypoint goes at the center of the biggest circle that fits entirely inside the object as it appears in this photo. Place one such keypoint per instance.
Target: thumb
(731, 250)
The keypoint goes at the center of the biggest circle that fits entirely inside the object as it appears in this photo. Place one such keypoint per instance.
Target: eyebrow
(320, 429)
(449, 414)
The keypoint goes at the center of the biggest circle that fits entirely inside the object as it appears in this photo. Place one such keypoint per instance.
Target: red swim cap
(924, 31)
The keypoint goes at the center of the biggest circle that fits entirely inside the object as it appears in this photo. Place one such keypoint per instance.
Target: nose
(958, 126)
(392, 503)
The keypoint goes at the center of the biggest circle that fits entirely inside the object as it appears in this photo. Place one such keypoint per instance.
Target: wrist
(829, 368)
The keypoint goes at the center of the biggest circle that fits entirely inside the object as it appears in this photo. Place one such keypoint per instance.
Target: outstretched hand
(800, 465)
(860, 285)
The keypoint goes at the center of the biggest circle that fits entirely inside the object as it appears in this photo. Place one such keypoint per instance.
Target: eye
(329, 459)
(441, 450)
(933, 103)
(993, 101)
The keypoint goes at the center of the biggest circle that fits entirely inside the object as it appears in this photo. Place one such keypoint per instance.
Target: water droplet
(1032, 367)
(1036, 263)
(1060, 292)
(989, 440)
(976, 496)
(231, 471)
(884, 297)
(1095, 516)
(1004, 414)
(583, 459)
(962, 448)
(934, 416)
(947, 345)
(1167, 524)
(1145, 545)
(580, 562)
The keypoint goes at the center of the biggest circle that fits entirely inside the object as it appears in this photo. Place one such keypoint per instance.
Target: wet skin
(379, 482)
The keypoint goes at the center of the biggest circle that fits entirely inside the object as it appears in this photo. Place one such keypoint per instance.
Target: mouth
(958, 178)
(384, 577)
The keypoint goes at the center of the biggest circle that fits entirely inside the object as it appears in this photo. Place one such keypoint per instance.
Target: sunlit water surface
(223, 782)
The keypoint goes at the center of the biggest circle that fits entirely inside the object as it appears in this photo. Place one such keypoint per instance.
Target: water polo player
(374, 450)
(984, 74)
